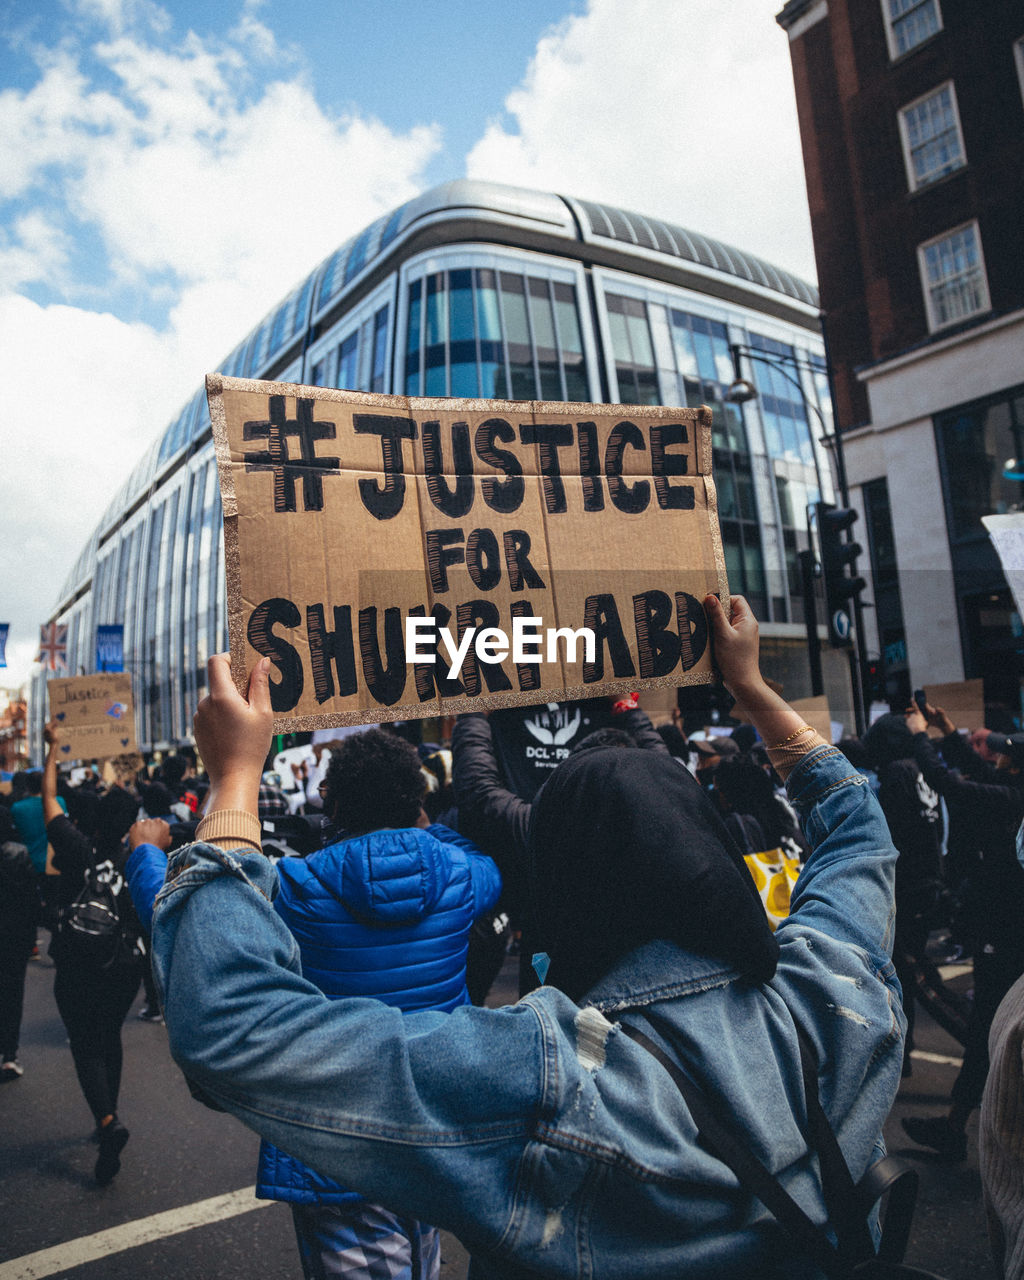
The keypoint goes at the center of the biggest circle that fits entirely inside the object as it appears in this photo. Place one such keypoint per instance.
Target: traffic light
(841, 588)
(874, 682)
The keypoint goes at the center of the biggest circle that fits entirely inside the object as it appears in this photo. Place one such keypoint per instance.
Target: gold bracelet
(230, 824)
(804, 728)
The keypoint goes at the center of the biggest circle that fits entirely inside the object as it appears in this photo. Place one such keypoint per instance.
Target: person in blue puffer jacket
(384, 910)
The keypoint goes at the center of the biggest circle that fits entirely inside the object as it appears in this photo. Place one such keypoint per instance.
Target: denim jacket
(539, 1133)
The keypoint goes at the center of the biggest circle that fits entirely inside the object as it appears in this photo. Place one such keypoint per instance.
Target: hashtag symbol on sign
(276, 458)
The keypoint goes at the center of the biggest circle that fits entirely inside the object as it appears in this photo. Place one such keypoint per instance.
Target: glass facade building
(475, 289)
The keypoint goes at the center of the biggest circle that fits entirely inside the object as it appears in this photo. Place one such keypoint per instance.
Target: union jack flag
(53, 646)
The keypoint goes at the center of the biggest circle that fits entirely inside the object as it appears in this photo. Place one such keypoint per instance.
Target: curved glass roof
(664, 237)
(536, 211)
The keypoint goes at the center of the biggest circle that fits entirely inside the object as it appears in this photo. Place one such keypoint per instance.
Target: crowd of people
(733, 914)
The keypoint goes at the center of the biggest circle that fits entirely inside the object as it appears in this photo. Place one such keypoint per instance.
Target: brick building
(912, 121)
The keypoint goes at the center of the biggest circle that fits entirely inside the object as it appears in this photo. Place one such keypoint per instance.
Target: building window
(633, 351)
(704, 365)
(909, 23)
(688, 357)
(348, 354)
(499, 334)
(280, 329)
(378, 374)
(933, 144)
(787, 426)
(517, 336)
(953, 276)
(357, 258)
(975, 440)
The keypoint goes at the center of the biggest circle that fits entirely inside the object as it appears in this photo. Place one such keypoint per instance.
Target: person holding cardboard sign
(93, 996)
(541, 1134)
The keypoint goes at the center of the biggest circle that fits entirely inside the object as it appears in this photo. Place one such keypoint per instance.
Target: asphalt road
(182, 1204)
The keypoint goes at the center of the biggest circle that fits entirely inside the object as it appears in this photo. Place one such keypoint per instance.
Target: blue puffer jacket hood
(387, 878)
(387, 916)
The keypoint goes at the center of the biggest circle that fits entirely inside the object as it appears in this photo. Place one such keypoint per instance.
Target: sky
(169, 171)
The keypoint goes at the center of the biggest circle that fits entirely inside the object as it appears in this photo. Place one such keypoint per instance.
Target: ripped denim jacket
(544, 1138)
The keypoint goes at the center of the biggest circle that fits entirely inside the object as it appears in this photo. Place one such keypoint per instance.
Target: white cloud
(117, 15)
(75, 424)
(199, 169)
(682, 110)
(212, 182)
(250, 31)
(36, 251)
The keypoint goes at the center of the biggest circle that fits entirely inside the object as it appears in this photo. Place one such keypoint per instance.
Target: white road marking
(940, 1059)
(75, 1253)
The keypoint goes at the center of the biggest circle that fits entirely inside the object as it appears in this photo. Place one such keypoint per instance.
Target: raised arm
(984, 785)
(484, 801)
(845, 889)
(149, 839)
(233, 734)
(51, 804)
(637, 724)
(72, 851)
(736, 650)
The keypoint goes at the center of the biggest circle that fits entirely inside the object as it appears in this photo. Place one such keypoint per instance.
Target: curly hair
(373, 781)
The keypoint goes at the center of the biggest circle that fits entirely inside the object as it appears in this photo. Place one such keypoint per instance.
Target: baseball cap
(1008, 744)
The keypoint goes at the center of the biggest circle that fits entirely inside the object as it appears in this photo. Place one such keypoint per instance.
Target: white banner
(1007, 534)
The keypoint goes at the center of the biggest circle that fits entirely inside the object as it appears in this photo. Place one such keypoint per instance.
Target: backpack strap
(752, 1174)
(900, 1180)
(846, 1212)
(849, 1204)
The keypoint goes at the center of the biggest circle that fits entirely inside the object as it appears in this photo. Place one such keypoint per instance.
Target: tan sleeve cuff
(785, 756)
(228, 827)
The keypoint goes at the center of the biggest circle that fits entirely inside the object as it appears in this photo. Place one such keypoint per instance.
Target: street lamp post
(741, 391)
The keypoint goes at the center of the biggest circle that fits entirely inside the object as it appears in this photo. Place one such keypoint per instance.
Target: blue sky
(403, 63)
(170, 170)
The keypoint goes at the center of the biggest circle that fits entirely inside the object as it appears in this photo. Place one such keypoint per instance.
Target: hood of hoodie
(386, 878)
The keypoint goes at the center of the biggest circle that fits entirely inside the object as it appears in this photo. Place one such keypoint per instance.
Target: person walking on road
(19, 915)
(93, 999)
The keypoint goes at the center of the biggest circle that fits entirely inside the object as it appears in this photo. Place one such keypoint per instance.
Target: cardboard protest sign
(122, 770)
(963, 701)
(95, 715)
(400, 558)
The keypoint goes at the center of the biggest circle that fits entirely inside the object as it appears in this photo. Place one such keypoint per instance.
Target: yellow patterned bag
(775, 875)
